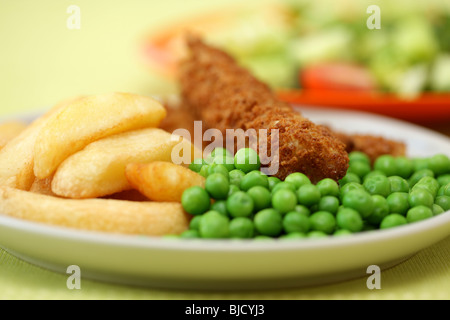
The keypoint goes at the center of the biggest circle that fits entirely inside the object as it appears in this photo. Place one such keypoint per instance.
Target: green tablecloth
(42, 62)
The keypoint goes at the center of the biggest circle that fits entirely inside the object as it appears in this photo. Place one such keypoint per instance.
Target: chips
(17, 157)
(162, 181)
(99, 169)
(113, 216)
(90, 119)
(68, 167)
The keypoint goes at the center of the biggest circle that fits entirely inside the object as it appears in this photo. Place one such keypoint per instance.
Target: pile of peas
(239, 201)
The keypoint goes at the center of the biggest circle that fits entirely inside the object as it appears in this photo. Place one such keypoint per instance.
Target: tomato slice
(337, 76)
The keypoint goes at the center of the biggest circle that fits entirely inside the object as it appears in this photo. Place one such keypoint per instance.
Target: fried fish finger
(226, 96)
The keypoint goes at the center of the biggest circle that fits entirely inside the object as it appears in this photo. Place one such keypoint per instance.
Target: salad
(327, 45)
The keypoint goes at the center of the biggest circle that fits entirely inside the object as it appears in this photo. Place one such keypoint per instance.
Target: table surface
(42, 62)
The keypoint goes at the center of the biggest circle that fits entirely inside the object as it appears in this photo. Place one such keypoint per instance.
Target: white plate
(233, 264)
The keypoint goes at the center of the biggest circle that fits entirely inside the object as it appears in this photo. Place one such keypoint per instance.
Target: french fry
(10, 130)
(17, 157)
(43, 186)
(113, 216)
(99, 169)
(90, 119)
(162, 181)
(128, 195)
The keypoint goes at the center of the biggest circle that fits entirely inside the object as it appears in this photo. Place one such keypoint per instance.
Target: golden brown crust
(226, 96)
(373, 146)
(104, 215)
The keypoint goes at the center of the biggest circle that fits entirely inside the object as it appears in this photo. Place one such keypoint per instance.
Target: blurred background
(319, 53)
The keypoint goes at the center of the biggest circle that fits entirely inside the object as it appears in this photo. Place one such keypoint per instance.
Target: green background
(42, 62)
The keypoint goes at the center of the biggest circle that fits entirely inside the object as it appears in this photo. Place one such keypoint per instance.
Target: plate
(238, 264)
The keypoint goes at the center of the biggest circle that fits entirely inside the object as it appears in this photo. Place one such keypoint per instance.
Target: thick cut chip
(17, 157)
(10, 130)
(162, 181)
(99, 169)
(43, 186)
(90, 119)
(113, 216)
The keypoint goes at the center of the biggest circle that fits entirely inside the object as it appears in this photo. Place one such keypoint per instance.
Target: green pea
(273, 181)
(328, 187)
(221, 207)
(420, 197)
(195, 200)
(359, 168)
(342, 232)
(308, 195)
(197, 164)
(404, 167)
(386, 164)
(204, 170)
(226, 161)
(236, 176)
(381, 210)
(419, 175)
(398, 202)
(297, 179)
(349, 219)
(195, 222)
(252, 179)
(349, 177)
(295, 222)
(247, 159)
(268, 222)
(420, 164)
(233, 189)
(360, 201)
(221, 152)
(428, 183)
(439, 164)
(316, 234)
(242, 228)
(217, 186)
(329, 203)
(214, 225)
(284, 200)
(444, 190)
(349, 187)
(358, 156)
(443, 179)
(398, 184)
(378, 185)
(190, 234)
(418, 213)
(261, 197)
(443, 202)
(215, 168)
(373, 173)
(240, 204)
(437, 209)
(322, 221)
(303, 210)
(284, 185)
(393, 220)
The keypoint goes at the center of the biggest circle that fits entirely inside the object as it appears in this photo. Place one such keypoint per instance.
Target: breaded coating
(373, 146)
(226, 96)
